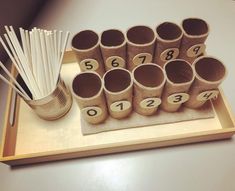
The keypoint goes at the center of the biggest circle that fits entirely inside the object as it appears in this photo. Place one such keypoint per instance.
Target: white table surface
(203, 166)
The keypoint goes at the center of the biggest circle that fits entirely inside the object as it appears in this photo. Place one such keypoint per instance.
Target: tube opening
(112, 38)
(85, 40)
(195, 26)
(117, 80)
(168, 31)
(179, 71)
(86, 85)
(149, 75)
(140, 35)
(210, 69)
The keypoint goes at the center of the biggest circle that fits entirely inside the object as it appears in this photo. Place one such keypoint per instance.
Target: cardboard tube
(113, 48)
(140, 46)
(87, 88)
(85, 45)
(195, 32)
(149, 80)
(168, 39)
(179, 77)
(118, 90)
(209, 74)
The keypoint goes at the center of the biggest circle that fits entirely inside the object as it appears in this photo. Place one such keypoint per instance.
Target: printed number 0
(92, 112)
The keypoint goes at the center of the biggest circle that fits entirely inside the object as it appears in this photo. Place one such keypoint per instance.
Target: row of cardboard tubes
(120, 91)
(152, 67)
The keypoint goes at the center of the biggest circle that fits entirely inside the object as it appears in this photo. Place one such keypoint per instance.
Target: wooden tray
(25, 144)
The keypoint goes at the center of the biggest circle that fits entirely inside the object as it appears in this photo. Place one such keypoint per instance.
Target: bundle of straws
(37, 58)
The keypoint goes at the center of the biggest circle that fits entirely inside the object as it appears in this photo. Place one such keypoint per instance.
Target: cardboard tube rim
(204, 80)
(93, 97)
(88, 49)
(195, 36)
(168, 41)
(119, 92)
(141, 45)
(146, 87)
(113, 47)
(184, 83)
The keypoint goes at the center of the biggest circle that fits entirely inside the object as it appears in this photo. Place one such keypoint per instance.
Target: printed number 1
(121, 105)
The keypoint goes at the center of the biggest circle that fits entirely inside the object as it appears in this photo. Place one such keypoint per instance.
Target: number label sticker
(178, 98)
(196, 50)
(89, 64)
(119, 106)
(92, 111)
(115, 61)
(169, 54)
(206, 95)
(150, 103)
(142, 58)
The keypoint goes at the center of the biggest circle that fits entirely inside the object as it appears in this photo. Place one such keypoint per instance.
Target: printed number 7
(143, 59)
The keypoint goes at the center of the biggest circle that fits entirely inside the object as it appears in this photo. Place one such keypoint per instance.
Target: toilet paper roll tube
(87, 88)
(149, 80)
(209, 74)
(168, 39)
(140, 46)
(85, 45)
(195, 33)
(179, 77)
(118, 90)
(113, 48)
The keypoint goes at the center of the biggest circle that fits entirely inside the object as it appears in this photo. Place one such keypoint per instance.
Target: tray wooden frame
(9, 134)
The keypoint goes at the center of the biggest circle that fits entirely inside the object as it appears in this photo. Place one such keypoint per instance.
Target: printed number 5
(89, 64)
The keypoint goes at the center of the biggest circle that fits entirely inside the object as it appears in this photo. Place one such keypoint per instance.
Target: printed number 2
(150, 103)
